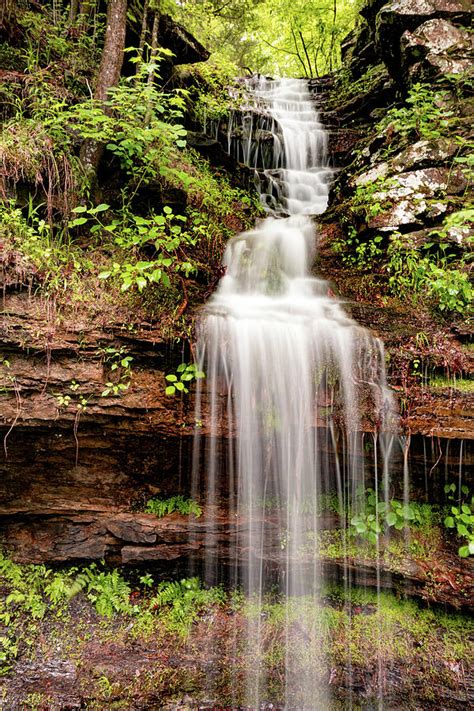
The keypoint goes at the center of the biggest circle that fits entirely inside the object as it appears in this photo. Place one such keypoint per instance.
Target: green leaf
(104, 275)
(449, 522)
(141, 283)
(391, 518)
(464, 551)
(180, 387)
(466, 509)
(78, 221)
(182, 367)
(79, 208)
(100, 208)
(171, 378)
(170, 390)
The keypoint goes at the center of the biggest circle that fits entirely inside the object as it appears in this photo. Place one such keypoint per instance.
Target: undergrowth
(174, 504)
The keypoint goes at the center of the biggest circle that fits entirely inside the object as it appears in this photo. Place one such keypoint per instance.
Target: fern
(180, 603)
(108, 591)
(164, 507)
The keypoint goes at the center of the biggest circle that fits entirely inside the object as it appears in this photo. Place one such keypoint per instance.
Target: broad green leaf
(391, 518)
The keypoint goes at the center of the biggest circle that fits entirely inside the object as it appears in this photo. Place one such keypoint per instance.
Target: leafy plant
(375, 517)
(412, 273)
(180, 603)
(185, 373)
(119, 362)
(108, 591)
(423, 115)
(359, 251)
(461, 517)
(163, 234)
(179, 504)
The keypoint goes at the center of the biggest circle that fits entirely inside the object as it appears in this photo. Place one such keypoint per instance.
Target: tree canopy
(283, 37)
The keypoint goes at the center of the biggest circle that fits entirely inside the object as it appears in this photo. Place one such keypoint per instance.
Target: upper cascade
(293, 177)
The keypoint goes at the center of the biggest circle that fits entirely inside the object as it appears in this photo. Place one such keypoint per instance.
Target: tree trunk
(73, 10)
(143, 32)
(112, 55)
(154, 49)
(109, 75)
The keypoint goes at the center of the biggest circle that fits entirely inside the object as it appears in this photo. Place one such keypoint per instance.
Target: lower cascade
(292, 383)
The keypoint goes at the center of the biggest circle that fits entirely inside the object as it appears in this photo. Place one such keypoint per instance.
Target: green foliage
(360, 252)
(375, 516)
(424, 115)
(118, 362)
(180, 603)
(185, 373)
(178, 504)
(454, 383)
(46, 252)
(164, 235)
(412, 273)
(107, 590)
(275, 37)
(461, 517)
(451, 289)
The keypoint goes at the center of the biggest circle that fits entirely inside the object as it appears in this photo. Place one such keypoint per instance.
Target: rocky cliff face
(400, 117)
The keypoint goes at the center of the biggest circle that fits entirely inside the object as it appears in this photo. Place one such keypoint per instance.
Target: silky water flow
(291, 383)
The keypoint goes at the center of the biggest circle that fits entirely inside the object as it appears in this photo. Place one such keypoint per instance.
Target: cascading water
(291, 381)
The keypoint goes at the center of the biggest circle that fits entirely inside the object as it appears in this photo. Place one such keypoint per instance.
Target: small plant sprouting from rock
(119, 362)
(461, 517)
(175, 504)
(185, 373)
(376, 517)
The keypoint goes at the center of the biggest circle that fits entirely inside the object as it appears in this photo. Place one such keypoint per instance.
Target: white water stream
(285, 370)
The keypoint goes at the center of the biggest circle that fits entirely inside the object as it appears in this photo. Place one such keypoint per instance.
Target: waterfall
(291, 382)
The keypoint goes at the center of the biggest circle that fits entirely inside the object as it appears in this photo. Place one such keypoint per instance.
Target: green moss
(462, 384)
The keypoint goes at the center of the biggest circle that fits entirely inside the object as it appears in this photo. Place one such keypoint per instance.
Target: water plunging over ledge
(278, 350)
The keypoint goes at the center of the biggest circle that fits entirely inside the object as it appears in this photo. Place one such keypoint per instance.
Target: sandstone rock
(186, 48)
(400, 16)
(436, 47)
(413, 195)
(133, 555)
(424, 153)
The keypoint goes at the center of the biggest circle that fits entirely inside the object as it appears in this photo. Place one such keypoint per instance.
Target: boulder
(358, 48)
(185, 47)
(436, 47)
(422, 154)
(415, 196)
(400, 16)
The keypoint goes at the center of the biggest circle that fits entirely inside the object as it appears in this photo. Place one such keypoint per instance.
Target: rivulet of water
(291, 382)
